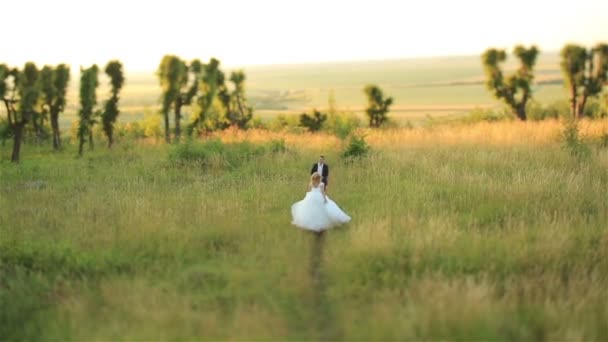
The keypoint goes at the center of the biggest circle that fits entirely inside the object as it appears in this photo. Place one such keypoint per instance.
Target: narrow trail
(326, 325)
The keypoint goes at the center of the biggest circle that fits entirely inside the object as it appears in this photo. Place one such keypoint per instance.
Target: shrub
(573, 142)
(284, 122)
(342, 124)
(487, 114)
(313, 122)
(5, 131)
(215, 154)
(357, 147)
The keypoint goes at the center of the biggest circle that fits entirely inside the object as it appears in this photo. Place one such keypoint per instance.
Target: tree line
(585, 72)
(34, 98)
(203, 87)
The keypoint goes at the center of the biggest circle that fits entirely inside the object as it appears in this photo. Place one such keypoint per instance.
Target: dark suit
(325, 172)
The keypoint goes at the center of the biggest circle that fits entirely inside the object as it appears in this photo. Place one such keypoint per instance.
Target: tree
(377, 106)
(212, 81)
(585, 73)
(88, 99)
(54, 85)
(171, 74)
(237, 111)
(27, 87)
(516, 90)
(9, 89)
(186, 91)
(46, 84)
(314, 122)
(108, 118)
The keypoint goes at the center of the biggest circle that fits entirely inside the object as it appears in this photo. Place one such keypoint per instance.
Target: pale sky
(250, 32)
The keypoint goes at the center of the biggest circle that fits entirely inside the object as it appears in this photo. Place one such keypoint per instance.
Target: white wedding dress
(312, 213)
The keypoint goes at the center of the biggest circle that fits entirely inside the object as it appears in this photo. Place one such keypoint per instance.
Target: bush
(257, 123)
(595, 109)
(357, 147)
(5, 131)
(313, 122)
(215, 154)
(342, 124)
(573, 142)
(277, 146)
(285, 122)
(487, 114)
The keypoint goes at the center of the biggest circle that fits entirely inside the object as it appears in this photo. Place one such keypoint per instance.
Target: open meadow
(485, 231)
(421, 87)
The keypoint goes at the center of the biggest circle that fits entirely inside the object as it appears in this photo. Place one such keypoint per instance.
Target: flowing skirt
(313, 214)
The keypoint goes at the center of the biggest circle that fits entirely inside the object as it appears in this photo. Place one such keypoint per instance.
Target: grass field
(491, 231)
(421, 87)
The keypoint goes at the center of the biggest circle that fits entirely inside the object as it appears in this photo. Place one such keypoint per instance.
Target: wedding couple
(317, 212)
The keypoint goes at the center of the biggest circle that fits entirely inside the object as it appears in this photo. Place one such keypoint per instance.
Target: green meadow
(489, 231)
(461, 230)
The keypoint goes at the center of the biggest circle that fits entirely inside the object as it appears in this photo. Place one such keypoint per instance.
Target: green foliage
(4, 74)
(573, 142)
(585, 73)
(29, 92)
(313, 122)
(357, 147)
(172, 75)
(114, 70)
(238, 113)
(283, 122)
(537, 111)
(212, 83)
(257, 123)
(377, 106)
(486, 114)
(516, 89)
(5, 131)
(342, 124)
(218, 155)
(88, 100)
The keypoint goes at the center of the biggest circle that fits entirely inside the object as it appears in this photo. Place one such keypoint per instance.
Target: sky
(261, 32)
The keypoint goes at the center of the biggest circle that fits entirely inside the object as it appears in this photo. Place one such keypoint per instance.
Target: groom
(321, 168)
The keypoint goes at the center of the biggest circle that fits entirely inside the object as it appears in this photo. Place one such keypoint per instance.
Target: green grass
(448, 241)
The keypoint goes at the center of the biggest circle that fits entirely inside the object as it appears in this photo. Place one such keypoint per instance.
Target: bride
(316, 211)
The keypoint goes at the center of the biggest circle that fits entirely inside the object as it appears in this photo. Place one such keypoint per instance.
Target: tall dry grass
(481, 232)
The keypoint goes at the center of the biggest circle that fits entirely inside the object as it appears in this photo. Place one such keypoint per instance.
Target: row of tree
(585, 73)
(33, 95)
(89, 113)
(202, 87)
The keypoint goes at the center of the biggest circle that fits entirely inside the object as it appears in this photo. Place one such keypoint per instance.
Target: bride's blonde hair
(315, 179)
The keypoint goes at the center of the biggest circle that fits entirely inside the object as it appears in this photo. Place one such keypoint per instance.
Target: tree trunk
(581, 107)
(178, 116)
(37, 130)
(18, 137)
(521, 111)
(56, 135)
(167, 133)
(91, 139)
(110, 139)
(573, 96)
(81, 145)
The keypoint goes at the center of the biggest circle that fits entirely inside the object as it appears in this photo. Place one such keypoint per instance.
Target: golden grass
(504, 133)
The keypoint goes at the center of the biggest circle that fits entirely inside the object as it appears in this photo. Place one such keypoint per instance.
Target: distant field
(437, 86)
